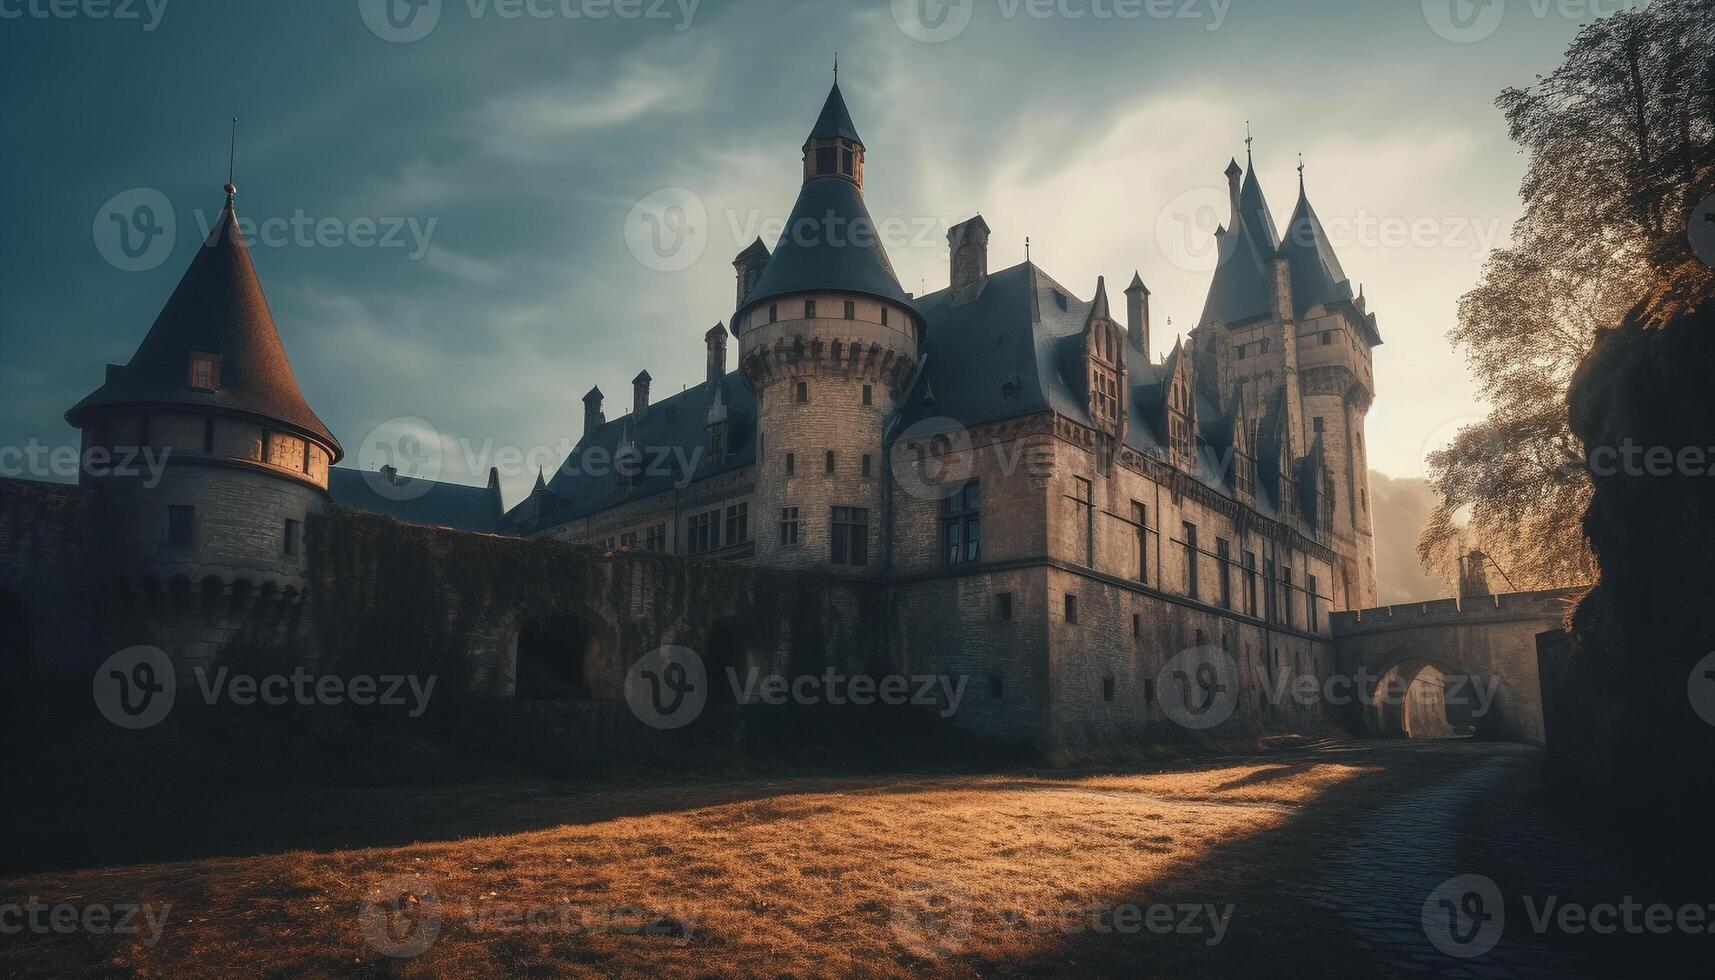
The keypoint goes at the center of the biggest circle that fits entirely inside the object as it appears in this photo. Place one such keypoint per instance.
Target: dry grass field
(1186, 872)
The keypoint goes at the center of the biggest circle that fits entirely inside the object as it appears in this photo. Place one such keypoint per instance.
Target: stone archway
(554, 657)
(1421, 699)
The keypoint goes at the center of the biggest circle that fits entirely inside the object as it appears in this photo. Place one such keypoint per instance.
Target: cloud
(472, 270)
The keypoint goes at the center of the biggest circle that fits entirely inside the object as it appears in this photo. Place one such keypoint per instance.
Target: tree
(1619, 138)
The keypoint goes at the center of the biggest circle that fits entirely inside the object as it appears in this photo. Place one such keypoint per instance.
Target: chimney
(592, 412)
(750, 264)
(1137, 314)
(639, 394)
(716, 341)
(968, 248)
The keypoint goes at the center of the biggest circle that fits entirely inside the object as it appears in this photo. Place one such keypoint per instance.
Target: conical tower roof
(835, 122)
(217, 308)
(1315, 270)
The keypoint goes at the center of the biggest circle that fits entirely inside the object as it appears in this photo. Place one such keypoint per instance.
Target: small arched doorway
(732, 668)
(553, 657)
(15, 653)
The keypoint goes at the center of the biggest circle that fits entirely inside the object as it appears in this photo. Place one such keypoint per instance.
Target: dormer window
(204, 371)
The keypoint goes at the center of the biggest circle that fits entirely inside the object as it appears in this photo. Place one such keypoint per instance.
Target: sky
(465, 213)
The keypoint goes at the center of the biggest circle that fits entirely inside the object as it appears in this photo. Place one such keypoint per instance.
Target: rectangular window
(1250, 583)
(1224, 559)
(655, 538)
(1149, 690)
(1327, 337)
(824, 159)
(208, 438)
(868, 398)
(809, 309)
(1286, 593)
(1107, 689)
(181, 525)
(1136, 626)
(847, 161)
(704, 532)
(738, 523)
(801, 393)
(867, 465)
(628, 541)
(1316, 424)
(1190, 559)
(1086, 510)
(962, 525)
(1003, 606)
(789, 526)
(289, 542)
(1140, 518)
(1310, 599)
(773, 312)
(1071, 608)
(851, 310)
(997, 687)
(791, 464)
(828, 463)
(204, 371)
(884, 316)
(849, 543)
(1268, 598)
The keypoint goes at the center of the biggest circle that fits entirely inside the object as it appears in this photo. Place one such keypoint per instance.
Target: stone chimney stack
(716, 341)
(1137, 314)
(750, 264)
(592, 412)
(968, 248)
(1234, 172)
(640, 394)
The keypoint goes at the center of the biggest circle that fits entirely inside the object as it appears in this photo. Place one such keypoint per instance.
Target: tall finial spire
(1027, 248)
(231, 158)
(1248, 139)
(836, 68)
(1300, 173)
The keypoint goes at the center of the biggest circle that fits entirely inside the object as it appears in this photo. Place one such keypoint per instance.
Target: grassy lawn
(1186, 872)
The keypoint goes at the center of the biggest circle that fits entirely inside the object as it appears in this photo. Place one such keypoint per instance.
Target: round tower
(828, 340)
(205, 457)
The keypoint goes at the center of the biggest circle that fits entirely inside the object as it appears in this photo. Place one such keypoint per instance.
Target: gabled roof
(668, 434)
(417, 501)
(1315, 271)
(217, 308)
(830, 243)
(835, 122)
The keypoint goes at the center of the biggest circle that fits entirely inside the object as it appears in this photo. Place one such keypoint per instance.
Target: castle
(998, 472)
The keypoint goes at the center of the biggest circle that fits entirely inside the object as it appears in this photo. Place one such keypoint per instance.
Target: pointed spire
(1233, 168)
(1300, 175)
(835, 121)
(1099, 304)
(541, 482)
(1137, 283)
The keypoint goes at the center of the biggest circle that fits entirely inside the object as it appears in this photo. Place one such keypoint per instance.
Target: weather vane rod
(231, 158)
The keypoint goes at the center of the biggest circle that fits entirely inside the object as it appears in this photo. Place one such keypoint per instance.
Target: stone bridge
(1481, 650)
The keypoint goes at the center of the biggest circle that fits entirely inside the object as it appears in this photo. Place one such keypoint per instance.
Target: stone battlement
(1545, 604)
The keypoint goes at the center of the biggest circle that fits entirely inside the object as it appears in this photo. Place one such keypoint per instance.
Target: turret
(829, 341)
(231, 459)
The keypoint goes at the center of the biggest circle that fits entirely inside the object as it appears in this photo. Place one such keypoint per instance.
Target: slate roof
(217, 308)
(835, 122)
(829, 243)
(416, 501)
(1314, 269)
(669, 432)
